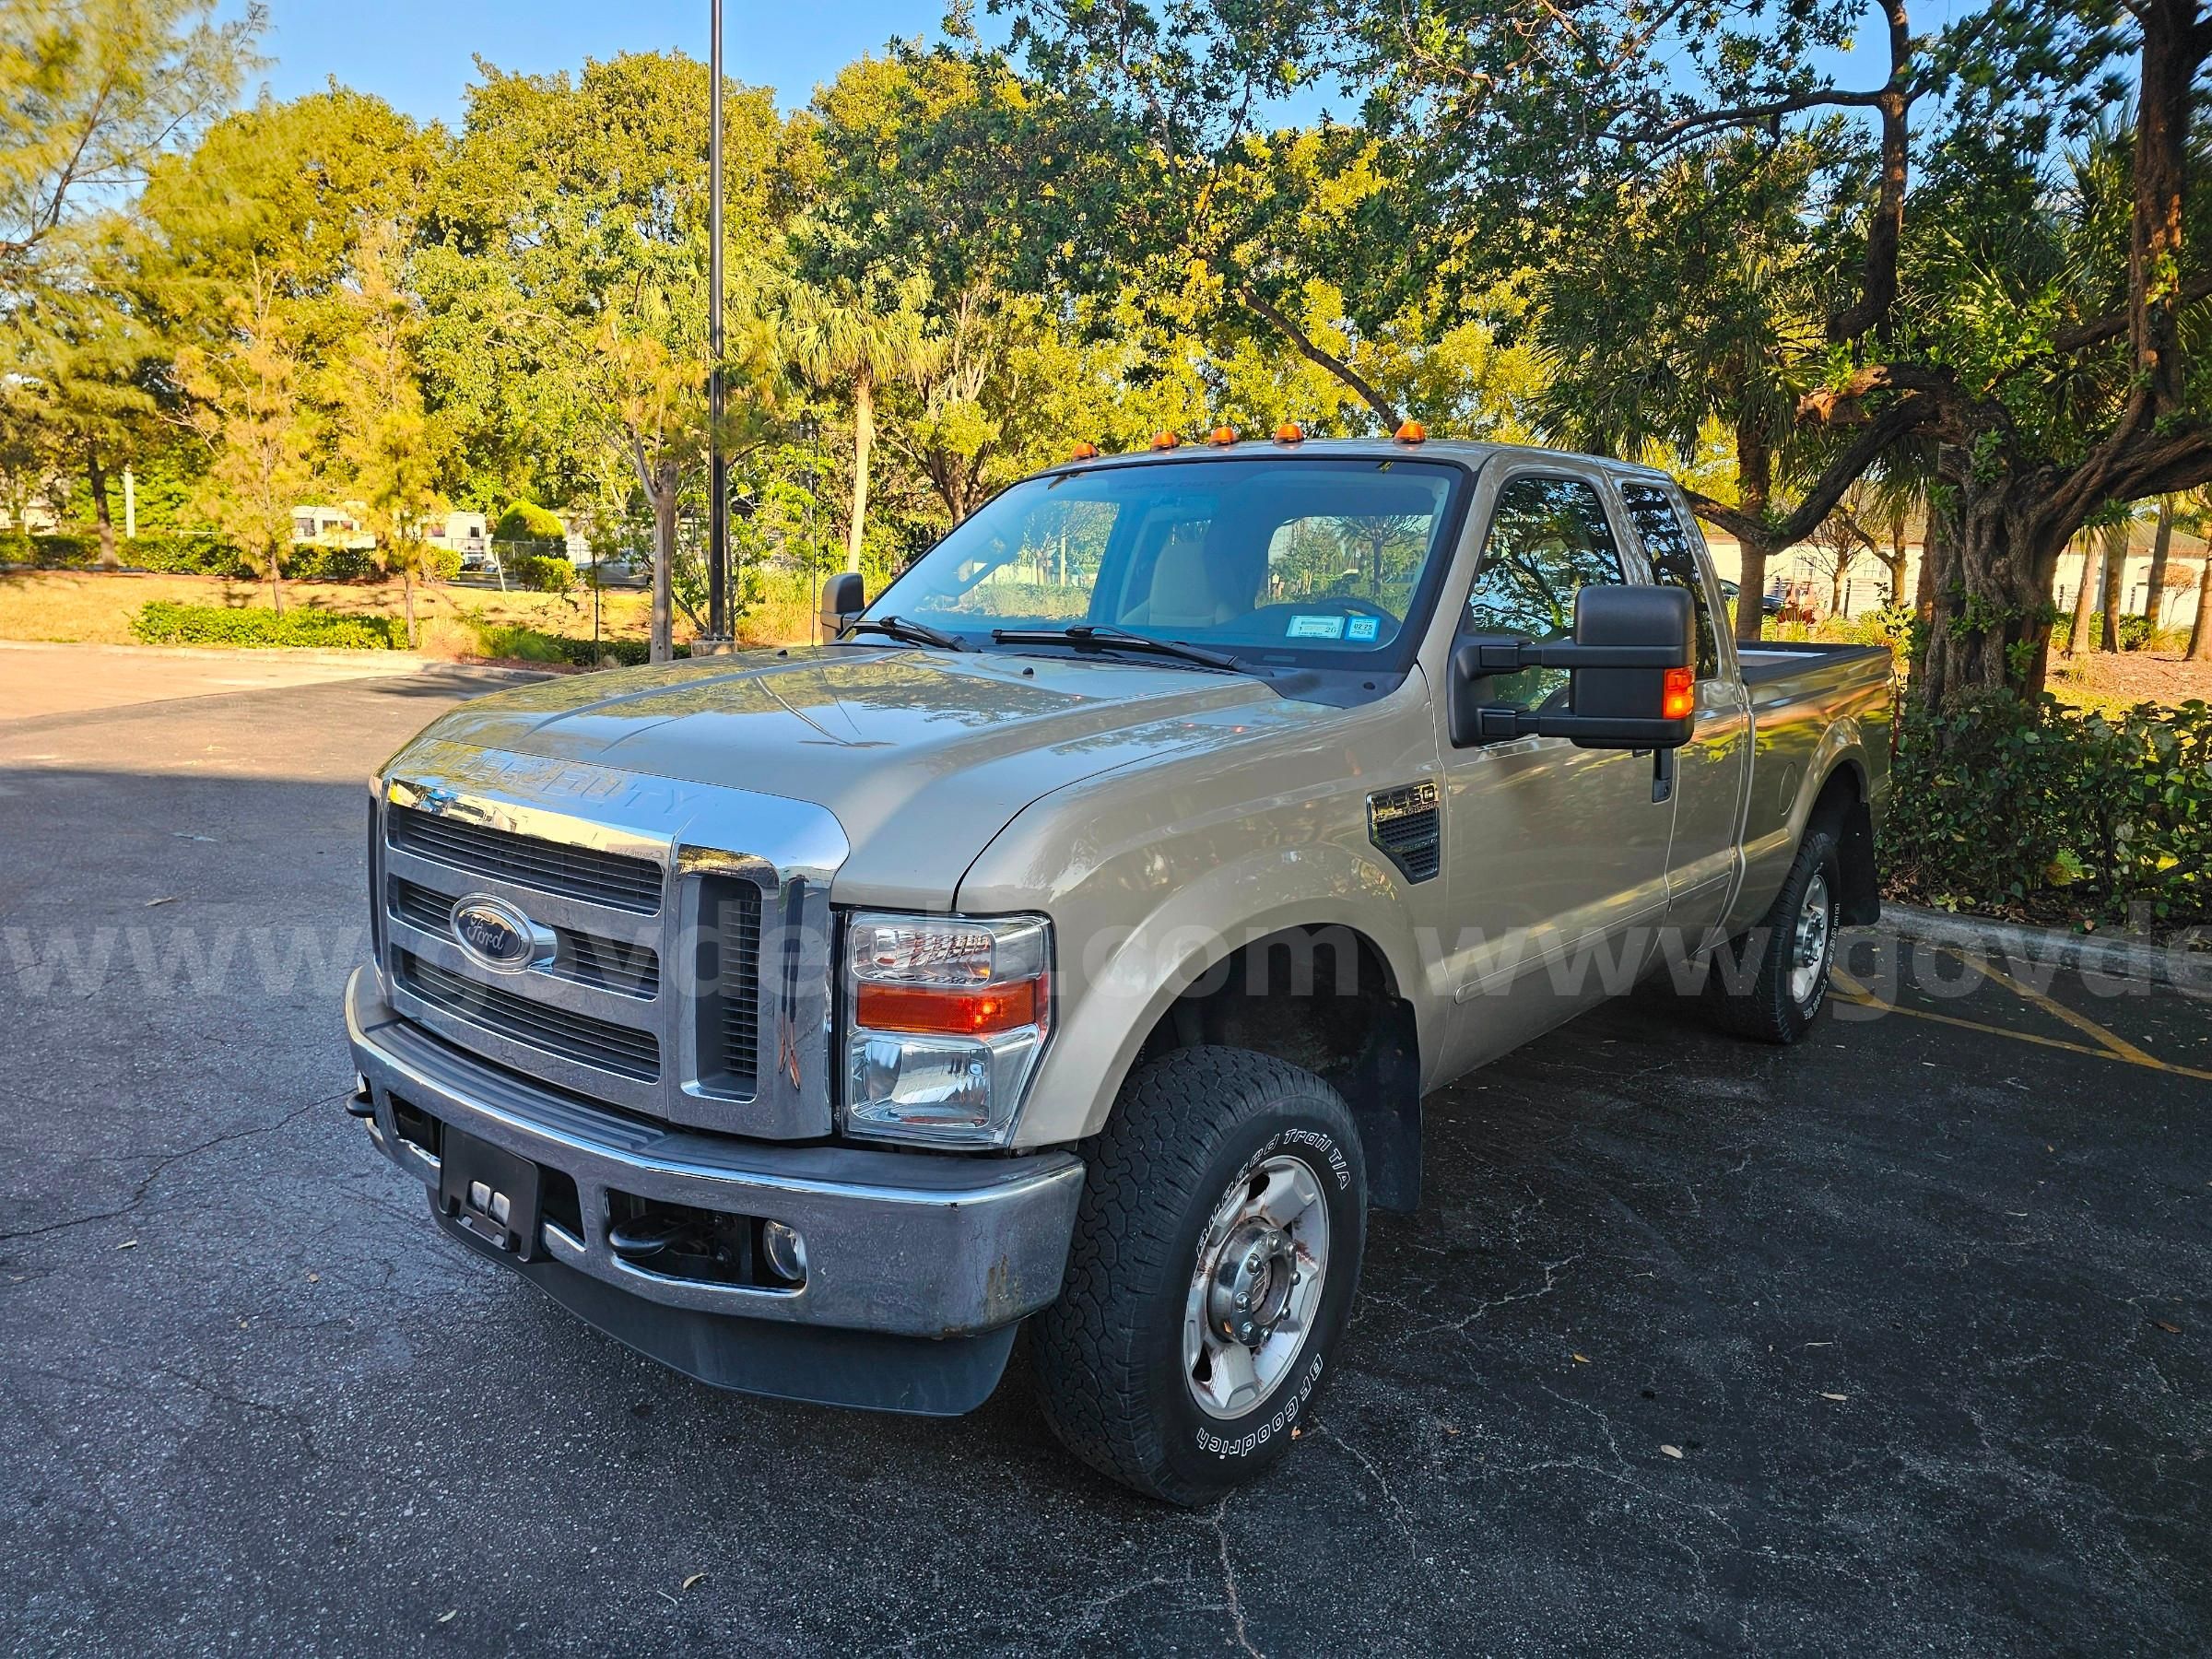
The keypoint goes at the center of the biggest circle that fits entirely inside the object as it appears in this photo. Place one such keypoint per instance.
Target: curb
(2172, 964)
(367, 662)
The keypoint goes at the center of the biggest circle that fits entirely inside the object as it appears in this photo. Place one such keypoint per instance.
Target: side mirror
(844, 598)
(1632, 674)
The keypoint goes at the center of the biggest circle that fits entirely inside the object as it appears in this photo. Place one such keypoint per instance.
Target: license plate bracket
(489, 1193)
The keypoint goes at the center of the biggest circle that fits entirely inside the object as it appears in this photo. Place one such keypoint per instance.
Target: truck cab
(1068, 941)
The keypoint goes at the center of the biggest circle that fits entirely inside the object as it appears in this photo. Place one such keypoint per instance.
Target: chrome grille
(622, 1050)
(630, 967)
(586, 873)
(739, 915)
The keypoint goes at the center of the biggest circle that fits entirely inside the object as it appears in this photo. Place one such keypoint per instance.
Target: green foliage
(526, 521)
(164, 622)
(540, 574)
(2042, 811)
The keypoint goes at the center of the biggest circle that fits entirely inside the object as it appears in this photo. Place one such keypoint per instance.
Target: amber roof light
(1290, 433)
(1412, 431)
(1223, 434)
(1084, 452)
(1165, 441)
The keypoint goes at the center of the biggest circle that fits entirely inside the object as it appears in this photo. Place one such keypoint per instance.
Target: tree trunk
(276, 579)
(1755, 482)
(407, 595)
(663, 648)
(2077, 634)
(1991, 627)
(864, 440)
(2162, 552)
(1931, 557)
(2115, 575)
(96, 477)
(2200, 630)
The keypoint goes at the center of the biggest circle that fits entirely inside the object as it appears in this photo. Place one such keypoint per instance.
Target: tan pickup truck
(1072, 938)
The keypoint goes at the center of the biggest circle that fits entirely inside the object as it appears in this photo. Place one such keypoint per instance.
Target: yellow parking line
(1853, 991)
(2051, 1005)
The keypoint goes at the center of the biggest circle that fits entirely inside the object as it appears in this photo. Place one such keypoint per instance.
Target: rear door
(1558, 854)
(1713, 771)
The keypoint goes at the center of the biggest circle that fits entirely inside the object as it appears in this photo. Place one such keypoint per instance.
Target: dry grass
(95, 608)
(2097, 680)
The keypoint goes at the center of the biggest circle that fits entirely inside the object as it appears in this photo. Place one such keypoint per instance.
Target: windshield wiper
(1083, 636)
(910, 633)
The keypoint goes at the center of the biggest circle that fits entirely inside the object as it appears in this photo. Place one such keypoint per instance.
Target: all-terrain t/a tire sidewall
(1110, 1372)
(1206, 1452)
(1817, 857)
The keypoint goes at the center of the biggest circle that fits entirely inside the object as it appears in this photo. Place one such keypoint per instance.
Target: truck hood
(923, 756)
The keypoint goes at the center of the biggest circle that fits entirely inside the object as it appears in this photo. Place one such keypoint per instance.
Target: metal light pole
(718, 467)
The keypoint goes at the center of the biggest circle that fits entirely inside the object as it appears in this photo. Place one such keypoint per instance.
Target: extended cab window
(1548, 538)
(1674, 561)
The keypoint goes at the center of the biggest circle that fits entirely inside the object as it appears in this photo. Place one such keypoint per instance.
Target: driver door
(1557, 855)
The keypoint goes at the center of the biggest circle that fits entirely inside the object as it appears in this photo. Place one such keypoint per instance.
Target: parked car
(1073, 940)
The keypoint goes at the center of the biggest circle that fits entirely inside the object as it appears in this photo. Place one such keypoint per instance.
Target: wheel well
(1323, 998)
(1842, 807)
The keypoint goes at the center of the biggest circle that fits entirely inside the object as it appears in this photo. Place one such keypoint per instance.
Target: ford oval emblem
(497, 936)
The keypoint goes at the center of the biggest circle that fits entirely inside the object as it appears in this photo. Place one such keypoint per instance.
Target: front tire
(1771, 982)
(1216, 1255)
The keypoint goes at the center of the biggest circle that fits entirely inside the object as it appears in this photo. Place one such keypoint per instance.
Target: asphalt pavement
(1897, 1341)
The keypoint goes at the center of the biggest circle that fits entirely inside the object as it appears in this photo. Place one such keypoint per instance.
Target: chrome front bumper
(918, 1266)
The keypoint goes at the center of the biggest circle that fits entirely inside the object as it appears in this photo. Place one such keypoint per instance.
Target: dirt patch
(2099, 680)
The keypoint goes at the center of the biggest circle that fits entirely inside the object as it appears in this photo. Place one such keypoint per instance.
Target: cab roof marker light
(1084, 452)
(1223, 435)
(1290, 433)
(1165, 441)
(1412, 431)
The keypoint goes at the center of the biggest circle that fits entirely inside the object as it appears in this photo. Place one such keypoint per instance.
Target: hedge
(526, 521)
(164, 622)
(545, 575)
(2042, 811)
(211, 556)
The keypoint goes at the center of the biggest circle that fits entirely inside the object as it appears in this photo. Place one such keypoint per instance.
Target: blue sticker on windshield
(1363, 627)
(1315, 627)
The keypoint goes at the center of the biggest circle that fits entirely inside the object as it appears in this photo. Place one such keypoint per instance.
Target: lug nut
(1243, 1301)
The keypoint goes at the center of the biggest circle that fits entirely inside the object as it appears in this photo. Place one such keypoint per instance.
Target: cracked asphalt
(1896, 1342)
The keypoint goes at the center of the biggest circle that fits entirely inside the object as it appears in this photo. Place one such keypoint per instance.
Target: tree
(565, 280)
(1835, 544)
(2031, 322)
(246, 400)
(394, 452)
(2078, 632)
(2161, 553)
(857, 337)
(2115, 573)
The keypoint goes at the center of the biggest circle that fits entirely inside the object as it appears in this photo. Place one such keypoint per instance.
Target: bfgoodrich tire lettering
(1187, 1129)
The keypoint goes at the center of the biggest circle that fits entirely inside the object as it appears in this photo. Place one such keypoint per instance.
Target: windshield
(1288, 558)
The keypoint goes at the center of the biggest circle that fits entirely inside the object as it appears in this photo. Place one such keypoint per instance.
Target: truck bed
(1772, 660)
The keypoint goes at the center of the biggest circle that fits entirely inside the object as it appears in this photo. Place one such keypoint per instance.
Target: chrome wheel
(1256, 1286)
(1816, 935)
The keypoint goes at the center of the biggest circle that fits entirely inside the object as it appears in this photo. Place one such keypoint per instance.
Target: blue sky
(420, 54)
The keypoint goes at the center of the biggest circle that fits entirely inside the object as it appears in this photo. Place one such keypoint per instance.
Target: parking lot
(1897, 1341)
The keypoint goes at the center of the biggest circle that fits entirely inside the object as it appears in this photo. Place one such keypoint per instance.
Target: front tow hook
(636, 1239)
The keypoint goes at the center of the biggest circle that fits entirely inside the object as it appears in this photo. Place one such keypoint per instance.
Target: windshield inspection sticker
(1315, 627)
(1363, 627)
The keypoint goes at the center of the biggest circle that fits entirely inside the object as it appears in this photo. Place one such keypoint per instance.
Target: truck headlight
(945, 1017)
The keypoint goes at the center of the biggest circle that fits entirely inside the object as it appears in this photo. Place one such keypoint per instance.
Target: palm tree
(856, 337)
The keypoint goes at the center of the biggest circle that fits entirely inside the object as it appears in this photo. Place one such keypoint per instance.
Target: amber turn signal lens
(1223, 434)
(1165, 441)
(1412, 431)
(1678, 699)
(925, 1010)
(1084, 452)
(1290, 433)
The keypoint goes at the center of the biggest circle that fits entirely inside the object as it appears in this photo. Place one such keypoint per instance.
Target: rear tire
(1223, 1175)
(1771, 982)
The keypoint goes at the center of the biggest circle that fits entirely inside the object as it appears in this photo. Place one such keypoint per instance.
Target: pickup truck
(1070, 939)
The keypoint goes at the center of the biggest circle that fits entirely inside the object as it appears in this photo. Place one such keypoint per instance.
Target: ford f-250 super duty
(1071, 940)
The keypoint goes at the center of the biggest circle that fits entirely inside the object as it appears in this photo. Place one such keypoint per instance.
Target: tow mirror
(843, 599)
(1631, 676)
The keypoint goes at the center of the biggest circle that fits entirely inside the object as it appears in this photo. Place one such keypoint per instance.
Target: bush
(442, 564)
(165, 623)
(540, 574)
(2135, 633)
(526, 521)
(2047, 812)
